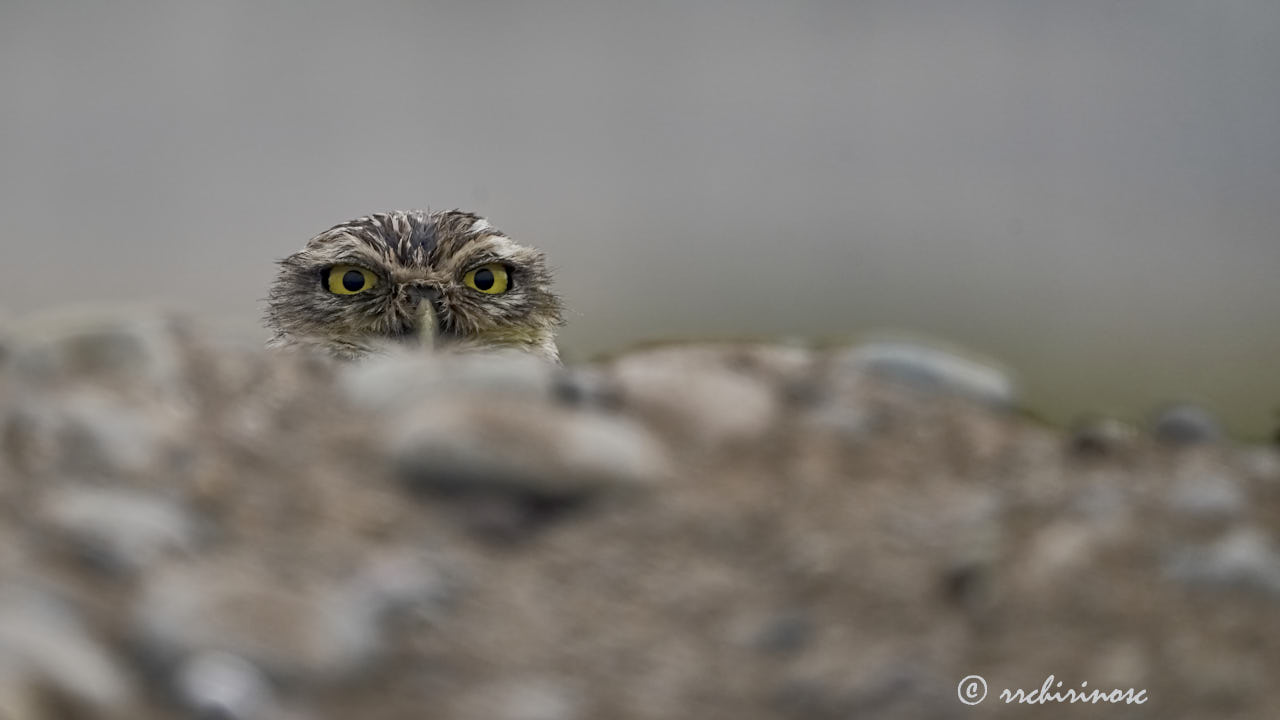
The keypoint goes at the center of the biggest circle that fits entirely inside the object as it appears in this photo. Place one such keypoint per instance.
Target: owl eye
(489, 279)
(349, 279)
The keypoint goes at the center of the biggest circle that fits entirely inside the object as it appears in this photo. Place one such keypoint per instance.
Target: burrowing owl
(444, 280)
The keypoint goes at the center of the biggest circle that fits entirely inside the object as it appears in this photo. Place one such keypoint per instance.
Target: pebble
(405, 380)
(786, 633)
(393, 582)
(1186, 424)
(1062, 549)
(223, 686)
(1262, 463)
(587, 387)
(319, 630)
(1101, 437)
(130, 346)
(1243, 556)
(523, 447)
(117, 528)
(87, 432)
(931, 369)
(702, 396)
(1202, 495)
(43, 644)
(530, 698)
(847, 420)
(289, 630)
(1105, 506)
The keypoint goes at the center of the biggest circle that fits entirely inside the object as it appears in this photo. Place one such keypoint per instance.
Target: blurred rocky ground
(198, 529)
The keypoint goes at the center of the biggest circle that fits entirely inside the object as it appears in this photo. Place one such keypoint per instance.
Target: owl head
(444, 280)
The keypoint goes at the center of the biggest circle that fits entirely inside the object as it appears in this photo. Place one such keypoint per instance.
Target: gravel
(745, 530)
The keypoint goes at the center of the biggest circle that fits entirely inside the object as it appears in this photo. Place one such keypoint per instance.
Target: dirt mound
(699, 531)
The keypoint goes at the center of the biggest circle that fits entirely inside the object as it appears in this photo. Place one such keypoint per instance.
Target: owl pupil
(484, 279)
(352, 280)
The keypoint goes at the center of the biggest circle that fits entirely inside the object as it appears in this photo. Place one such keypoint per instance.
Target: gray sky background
(1087, 190)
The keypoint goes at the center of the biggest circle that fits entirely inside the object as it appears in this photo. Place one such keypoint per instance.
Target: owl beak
(424, 298)
(428, 327)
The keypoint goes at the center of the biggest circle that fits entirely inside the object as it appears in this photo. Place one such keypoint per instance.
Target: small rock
(119, 529)
(1261, 463)
(785, 634)
(931, 369)
(1243, 557)
(44, 644)
(700, 395)
(111, 438)
(526, 448)
(391, 582)
(847, 420)
(1101, 437)
(527, 699)
(303, 629)
(405, 380)
(91, 432)
(1186, 424)
(1124, 662)
(126, 345)
(587, 387)
(1105, 506)
(221, 685)
(1062, 549)
(289, 630)
(1204, 495)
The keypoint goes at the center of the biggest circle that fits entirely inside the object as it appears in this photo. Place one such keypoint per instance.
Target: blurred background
(1088, 191)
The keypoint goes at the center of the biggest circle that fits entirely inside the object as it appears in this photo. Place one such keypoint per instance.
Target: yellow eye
(349, 279)
(489, 279)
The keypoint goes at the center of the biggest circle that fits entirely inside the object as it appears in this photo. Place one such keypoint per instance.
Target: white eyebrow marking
(502, 245)
(480, 225)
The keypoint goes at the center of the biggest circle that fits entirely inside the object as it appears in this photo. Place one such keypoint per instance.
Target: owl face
(445, 280)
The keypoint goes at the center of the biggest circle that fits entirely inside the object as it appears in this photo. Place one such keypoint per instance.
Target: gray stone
(845, 419)
(702, 395)
(224, 686)
(525, 448)
(1102, 504)
(393, 582)
(44, 644)
(1262, 463)
(529, 698)
(405, 380)
(1186, 424)
(1242, 557)
(317, 629)
(588, 387)
(1206, 494)
(1102, 437)
(127, 345)
(291, 630)
(109, 437)
(932, 369)
(786, 633)
(86, 432)
(117, 528)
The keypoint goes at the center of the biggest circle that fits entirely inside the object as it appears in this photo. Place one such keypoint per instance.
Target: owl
(434, 280)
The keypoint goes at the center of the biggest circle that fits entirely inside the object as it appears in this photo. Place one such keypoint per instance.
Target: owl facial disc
(445, 281)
